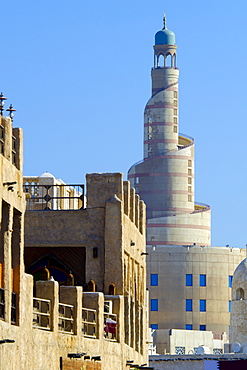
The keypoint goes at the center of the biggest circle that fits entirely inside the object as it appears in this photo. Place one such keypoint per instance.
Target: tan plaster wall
(114, 222)
(172, 264)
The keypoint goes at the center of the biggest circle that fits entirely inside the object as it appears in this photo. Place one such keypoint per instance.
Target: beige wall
(114, 222)
(172, 264)
(238, 330)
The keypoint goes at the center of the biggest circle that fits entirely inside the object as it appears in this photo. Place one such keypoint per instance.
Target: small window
(188, 305)
(150, 129)
(189, 180)
(175, 128)
(154, 280)
(189, 280)
(150, 136)
(189, 189)
(137, 179)
(154, 304)
(175, 94)
(189, 198)
(189, 163)
(202, 305)
(240, 294)
(150, 120)
(188, 327)
(154, 326)
(230, 281)
(203, 327)
(175, 103)
(175, 120)
(175, 112)
(189, 171)
(229, 306)
(202, 280)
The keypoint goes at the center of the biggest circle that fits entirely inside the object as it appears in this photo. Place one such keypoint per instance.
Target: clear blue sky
(78, 73)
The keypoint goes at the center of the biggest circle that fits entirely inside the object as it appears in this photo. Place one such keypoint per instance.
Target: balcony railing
(66, 318)
(41, 313)
(54, 197)
(89, 323)
(110, 326)
(13, 308)
(2, 303)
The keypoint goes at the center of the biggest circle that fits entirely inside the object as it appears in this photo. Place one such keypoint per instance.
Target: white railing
(110, 326)
(89, 322)
(66, 318)
(41, 313)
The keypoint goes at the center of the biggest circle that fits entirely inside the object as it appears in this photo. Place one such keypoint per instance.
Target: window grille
(89, 323)
(2, 303)
(13, 150)
(65, 318)
(41, 313)
(180, 350)
(13, 308)
(1, 139)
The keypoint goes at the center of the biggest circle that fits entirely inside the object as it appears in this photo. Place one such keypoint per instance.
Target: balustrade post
(73, 295)
(49, 290)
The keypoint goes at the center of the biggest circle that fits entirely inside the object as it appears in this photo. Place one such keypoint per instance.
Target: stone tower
(165, 177)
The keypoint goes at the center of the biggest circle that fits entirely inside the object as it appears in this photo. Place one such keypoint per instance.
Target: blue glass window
(188, 327)
(154, 304)
(189, 280)
(230, 281)
(203, 327)
(154, 280)
(154, 326)
(229, 306)
(202, 305)
(188, 305)
(202, 280)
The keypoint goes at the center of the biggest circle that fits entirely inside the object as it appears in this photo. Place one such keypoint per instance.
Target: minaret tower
(160, 133)
(164, 179)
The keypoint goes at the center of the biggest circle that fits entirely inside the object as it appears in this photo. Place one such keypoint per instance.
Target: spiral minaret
(164, 179)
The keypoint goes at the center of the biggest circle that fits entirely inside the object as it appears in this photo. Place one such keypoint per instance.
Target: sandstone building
(56, 323)
(188, 279)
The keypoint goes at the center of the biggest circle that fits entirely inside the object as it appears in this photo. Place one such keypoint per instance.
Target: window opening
(202, 305)
(154, 304)
(188, 305)
(240, 294)
(154, 280)
(188, 327)
(230, 281)
(202, 280)
(189, 280)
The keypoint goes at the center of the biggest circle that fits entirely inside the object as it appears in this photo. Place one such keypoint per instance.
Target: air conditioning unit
(108, 306)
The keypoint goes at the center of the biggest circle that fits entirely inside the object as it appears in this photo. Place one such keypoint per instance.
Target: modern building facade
(188, 279)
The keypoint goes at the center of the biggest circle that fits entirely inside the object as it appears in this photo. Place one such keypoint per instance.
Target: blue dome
(165, 37)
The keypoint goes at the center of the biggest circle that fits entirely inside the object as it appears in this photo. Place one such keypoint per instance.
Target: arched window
(168, 61)
(112, 289)
(239, 294)
(174, 60)
(161, 61)
(91, 286)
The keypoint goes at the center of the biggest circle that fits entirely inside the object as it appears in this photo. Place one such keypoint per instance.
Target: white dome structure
(238, 324)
